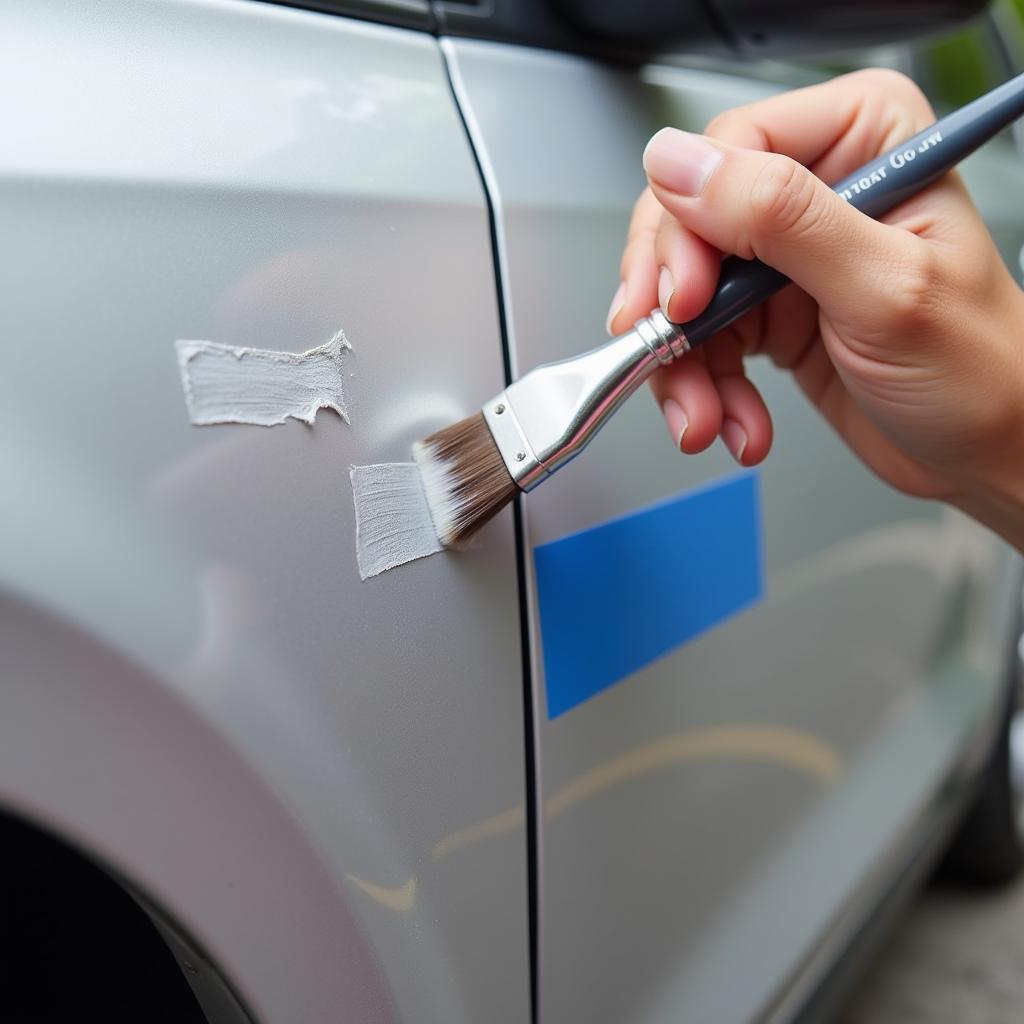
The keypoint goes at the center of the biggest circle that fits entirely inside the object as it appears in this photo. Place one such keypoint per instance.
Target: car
(241, 783)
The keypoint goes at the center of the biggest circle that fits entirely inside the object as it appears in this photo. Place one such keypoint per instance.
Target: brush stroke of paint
(235, 384)
(620, 595)
(393, 521)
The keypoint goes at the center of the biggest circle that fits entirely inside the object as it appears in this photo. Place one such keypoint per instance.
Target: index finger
(830, 128)
(837, 126)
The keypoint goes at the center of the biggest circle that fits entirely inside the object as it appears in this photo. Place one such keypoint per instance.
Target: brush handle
(877, 187)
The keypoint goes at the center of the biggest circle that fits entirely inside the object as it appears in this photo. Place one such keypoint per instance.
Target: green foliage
(959, 67)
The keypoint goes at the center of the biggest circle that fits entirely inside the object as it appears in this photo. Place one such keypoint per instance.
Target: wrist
(992, 488)
(1001, 509)
(994, 492)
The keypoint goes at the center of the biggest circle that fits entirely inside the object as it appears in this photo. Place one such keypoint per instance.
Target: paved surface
(957, 959)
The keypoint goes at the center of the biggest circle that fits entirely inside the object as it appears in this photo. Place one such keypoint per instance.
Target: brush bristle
(464, 477)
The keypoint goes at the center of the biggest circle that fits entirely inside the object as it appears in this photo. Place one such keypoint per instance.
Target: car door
(708, 814)
(318, 781)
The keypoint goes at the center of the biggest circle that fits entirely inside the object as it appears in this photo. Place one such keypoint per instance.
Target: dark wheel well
(74, 945)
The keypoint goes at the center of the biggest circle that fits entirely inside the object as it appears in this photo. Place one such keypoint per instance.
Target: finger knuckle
(639, 248)
(890, 83)
(629, 256)
(723, 122)
(981, 277)
(644, 206)
(782, 198)
(895, 92)
(739, 126)
(646, 211)
(913, 293)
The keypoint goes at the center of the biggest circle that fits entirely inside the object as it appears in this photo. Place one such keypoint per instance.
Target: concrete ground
(958, 958)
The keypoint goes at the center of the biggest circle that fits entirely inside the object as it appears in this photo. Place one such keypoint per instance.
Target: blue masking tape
(618, 596)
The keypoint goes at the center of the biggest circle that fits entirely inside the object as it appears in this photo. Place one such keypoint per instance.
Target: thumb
(768, 206)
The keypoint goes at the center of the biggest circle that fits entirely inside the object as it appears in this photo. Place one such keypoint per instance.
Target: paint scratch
(235, 384)
(393, 522)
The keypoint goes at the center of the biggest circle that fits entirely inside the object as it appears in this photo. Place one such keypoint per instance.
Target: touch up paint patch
(234, 384)
(393, 522)
(618, 596)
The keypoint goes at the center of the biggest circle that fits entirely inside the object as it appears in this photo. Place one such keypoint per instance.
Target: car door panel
(703, 821)
(258, 176)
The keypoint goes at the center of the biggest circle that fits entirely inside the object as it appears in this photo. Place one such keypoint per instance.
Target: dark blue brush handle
(874, 189)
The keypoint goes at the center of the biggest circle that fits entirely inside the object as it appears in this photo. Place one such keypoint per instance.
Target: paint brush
(472, 469)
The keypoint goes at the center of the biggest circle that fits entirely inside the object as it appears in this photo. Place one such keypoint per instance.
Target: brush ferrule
(519, 457)
(548, 416)
(666, 340)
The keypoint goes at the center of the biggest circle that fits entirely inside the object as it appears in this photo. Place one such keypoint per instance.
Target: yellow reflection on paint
(764, 744)
(776, 745)
(497, 825)
(401, 898)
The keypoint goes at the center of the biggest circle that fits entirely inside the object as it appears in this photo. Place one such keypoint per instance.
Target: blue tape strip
(618, 596)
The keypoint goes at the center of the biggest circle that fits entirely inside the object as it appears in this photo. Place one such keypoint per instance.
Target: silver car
(240, 783)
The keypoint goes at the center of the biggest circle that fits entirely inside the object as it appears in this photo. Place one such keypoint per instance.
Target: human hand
(906, 333)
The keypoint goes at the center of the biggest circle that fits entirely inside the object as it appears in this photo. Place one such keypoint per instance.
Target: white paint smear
(234, 384)
(393, 523)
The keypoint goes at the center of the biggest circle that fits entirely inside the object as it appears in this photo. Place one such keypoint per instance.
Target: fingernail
(666, 289)
(676, 420)
(735, 438)
(617, 303)
(681, 161)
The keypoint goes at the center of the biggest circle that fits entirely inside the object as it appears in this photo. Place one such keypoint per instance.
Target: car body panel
(257, 176)
(316, 783)
(703, 822)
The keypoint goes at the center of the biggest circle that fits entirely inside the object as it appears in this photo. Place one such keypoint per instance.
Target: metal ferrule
(549, 416)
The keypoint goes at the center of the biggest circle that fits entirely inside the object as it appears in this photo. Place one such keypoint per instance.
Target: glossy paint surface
(319, 779)
(703, 821)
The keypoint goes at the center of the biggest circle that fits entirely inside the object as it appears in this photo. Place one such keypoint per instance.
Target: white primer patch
(393, 521)
(235, 384)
